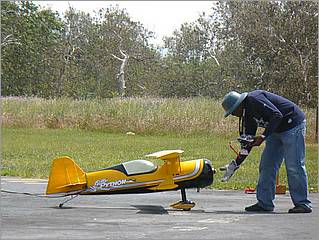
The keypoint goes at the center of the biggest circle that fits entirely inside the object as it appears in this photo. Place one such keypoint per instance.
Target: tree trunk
(121, 75)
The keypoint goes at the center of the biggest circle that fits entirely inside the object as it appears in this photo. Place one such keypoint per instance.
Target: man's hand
(258, 141)
(229, 170)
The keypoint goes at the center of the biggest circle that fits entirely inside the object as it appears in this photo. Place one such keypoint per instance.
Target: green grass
(28, 152)
(141, 115)
(35, 131)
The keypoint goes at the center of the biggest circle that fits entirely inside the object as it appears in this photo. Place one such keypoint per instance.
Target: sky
(161, 17)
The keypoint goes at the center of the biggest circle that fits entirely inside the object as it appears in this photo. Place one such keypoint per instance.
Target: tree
(193, 60)
(124, 39)
(277, 44)
(28, 35)
(237, 45)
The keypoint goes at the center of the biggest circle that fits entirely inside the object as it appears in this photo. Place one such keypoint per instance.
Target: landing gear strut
(67, 200)
(185, 204)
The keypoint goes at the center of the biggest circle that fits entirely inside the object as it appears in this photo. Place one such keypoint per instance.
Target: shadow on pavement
(156, 209)
(150, 209)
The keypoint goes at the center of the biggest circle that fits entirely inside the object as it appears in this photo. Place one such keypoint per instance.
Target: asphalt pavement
(217, 215)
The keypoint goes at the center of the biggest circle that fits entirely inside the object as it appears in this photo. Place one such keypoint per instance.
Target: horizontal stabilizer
(65, 176)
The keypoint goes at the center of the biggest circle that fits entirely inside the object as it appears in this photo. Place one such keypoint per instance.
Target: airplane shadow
(150, 209)
(142, 209)
(157, 209)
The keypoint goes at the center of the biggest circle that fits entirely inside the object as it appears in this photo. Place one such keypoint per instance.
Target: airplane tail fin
(65, 177)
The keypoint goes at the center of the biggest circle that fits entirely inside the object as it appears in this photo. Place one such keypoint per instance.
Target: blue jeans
(289, 145)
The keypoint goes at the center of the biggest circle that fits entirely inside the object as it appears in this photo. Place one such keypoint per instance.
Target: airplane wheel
(60, 205)
(185, 206)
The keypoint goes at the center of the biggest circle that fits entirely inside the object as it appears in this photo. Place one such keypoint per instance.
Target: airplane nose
(208, 164)
(205, 178)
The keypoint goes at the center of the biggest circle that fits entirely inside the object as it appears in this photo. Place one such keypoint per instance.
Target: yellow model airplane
(136, 176)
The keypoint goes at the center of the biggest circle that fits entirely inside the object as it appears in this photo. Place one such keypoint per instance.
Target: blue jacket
(270, 111)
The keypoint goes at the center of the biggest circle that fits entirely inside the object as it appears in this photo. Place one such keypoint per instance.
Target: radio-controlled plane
(135, 176)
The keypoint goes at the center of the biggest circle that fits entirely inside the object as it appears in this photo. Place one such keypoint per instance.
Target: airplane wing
(172, 155)
(172, 162)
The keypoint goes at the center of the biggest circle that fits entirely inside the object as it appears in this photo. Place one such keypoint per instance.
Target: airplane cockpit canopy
(139, 166)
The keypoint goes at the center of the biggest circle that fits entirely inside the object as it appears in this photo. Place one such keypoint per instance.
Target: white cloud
(161, 17)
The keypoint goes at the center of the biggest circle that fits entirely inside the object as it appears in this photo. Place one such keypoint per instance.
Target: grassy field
(140, 115)
(29, 152)
(93, 132)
